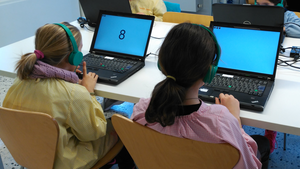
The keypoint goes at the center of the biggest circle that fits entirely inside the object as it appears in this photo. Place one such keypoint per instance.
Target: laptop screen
(247, 49)
(126, 35)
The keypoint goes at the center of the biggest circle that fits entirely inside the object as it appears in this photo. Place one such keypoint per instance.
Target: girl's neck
(191, 96)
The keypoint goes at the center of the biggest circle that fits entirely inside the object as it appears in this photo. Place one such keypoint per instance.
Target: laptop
(91, 8)
(249, 14)
(119, 45)
(248, 63)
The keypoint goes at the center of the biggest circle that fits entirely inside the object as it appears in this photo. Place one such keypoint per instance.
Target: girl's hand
(232, 104)
(89, 80)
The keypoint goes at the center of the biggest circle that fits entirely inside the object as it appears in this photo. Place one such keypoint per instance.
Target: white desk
(282, 112)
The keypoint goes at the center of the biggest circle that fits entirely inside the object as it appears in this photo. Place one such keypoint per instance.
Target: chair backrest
(250, 2)
(297, 13)
(151, 149)
(111, 154)
(31, 137)
(176, 17)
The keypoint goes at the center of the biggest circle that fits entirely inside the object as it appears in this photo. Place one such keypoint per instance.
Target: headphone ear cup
(210, 74)
(158, 66)
(75, 58)
(213, 67)
(281, 5)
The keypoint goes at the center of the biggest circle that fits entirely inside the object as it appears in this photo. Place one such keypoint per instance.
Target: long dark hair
(186, 54)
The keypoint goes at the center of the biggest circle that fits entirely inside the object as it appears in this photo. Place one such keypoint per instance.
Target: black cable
(283, 49)
(287, 48)
(151, 54)
(288, 64)
(88, 28)
(157, 37)
(284, 56)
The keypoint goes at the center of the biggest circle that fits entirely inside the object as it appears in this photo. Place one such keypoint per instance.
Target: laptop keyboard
(239, 84)
(114, 64)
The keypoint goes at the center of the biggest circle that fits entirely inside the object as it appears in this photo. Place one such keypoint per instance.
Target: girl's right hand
(89, 80)
(232, 104)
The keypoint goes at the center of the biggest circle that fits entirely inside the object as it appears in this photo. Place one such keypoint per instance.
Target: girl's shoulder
(140, 108)
(213, 108)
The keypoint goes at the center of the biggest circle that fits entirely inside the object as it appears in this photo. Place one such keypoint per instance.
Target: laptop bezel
(246, 73)
(248, 14)
(116, 54)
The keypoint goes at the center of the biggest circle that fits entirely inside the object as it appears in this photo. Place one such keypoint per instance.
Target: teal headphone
(214, 67)
(75, 57)
(279, 4)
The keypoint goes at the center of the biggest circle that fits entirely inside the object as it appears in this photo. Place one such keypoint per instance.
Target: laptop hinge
(137, 59)
(265, 78)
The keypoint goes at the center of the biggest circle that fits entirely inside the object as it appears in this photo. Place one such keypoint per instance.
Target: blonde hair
(54, 43)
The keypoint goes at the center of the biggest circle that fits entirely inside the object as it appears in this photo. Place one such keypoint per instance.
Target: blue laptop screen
(123, 35)
(247, 49)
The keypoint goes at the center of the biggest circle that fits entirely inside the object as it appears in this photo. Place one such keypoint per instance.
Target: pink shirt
(212, 124)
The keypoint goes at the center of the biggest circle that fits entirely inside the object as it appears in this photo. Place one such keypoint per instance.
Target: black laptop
(91, 8)
(248, 14)
(247, 66)
(119, 45)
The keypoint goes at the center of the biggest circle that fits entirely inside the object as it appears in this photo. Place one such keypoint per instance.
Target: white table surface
(282, 112)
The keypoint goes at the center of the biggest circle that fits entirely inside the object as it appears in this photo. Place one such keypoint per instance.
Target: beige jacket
(84, 134)
(149, 7)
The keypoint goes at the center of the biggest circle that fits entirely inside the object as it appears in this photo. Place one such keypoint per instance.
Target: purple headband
(39, 54)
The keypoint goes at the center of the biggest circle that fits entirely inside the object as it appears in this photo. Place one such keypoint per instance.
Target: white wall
(19, 19)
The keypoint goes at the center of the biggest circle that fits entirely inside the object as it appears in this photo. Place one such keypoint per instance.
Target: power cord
(88, 28)
(151, 54)
(157, 37)
(288, 62)
(294, 57)
(283, 49)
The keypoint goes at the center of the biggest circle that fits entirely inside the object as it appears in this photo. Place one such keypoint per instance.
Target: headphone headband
(75, 57)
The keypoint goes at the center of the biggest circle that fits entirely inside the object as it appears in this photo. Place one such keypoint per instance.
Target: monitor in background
(91, 8)
(249, 14)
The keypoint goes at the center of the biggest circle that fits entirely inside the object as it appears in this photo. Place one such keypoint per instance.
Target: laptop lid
(249, 50)
(91, 8)
(248, 14)
(122, 35)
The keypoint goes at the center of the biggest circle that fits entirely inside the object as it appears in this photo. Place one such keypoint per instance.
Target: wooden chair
(110, 155)
(176, 17)
(250, 2)
(297, 13)
(151, 149)
(31, 138)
